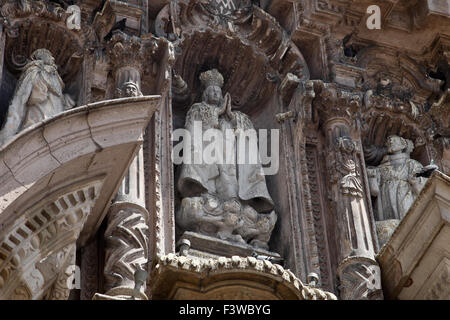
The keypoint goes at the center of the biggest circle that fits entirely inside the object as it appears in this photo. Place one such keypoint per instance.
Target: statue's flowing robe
(245, 182)
(38, 95)
(396, 194)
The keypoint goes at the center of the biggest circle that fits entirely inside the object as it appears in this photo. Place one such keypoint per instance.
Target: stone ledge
(202, 276)
(202, 245)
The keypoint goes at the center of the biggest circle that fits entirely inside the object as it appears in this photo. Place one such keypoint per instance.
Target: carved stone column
(358, 272)
(126, 234)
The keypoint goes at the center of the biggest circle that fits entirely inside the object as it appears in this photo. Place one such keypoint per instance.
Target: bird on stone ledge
(276, 260)
(428, 170)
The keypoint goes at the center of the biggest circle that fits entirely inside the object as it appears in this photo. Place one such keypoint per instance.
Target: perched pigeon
(428, 170)
(276, 260)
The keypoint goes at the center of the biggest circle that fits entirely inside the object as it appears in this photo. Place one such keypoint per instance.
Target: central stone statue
(224, 199)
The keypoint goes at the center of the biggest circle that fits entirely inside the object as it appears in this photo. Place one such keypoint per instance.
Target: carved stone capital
(144, 54)
(126, 51)
(333, 103)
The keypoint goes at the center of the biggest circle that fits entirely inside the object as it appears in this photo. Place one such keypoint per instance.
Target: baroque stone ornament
(394, 184)
(38, 95)
(126, 246)
(350, 181)
(224, 280)
(230, 9)
(357, 267)
(47, 246)
(224, 199)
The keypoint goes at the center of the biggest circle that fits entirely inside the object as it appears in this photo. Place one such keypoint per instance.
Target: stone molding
(190, 268)
(126, 245)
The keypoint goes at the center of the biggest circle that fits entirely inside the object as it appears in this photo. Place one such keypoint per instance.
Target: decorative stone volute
(336, 105)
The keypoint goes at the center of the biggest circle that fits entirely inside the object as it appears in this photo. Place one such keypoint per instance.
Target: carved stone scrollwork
(126, 245)
(63, 261)
(333, 103)
(256, 42)
(230, 10)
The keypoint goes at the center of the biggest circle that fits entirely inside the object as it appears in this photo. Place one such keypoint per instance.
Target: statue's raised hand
(227, 104)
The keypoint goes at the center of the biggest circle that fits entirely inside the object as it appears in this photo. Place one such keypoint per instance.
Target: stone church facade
(352, 203)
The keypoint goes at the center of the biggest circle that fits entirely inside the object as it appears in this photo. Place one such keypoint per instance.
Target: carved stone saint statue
(223, 198)
(38, 95)
(395, 185)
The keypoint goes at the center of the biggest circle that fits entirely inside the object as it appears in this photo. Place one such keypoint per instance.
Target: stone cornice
(222, 265)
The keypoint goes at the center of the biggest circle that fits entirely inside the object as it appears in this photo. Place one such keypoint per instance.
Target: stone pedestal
(203, 246)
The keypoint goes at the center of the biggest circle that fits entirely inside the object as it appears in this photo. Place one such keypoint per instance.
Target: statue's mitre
(211, 78)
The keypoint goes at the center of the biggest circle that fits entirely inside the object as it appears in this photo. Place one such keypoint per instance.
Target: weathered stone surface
(38, 95)
(415, 260)
(178, 277)
(333, 88)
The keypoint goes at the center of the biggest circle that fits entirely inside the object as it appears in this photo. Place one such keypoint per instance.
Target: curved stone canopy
(66, 169)
(254, 53)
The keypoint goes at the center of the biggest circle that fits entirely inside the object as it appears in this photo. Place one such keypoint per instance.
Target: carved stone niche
(31, 25)
(254, 55)
(226, 199)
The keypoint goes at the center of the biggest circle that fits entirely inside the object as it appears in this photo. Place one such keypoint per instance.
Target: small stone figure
(395, 184)
(350, 182)
(38, 95)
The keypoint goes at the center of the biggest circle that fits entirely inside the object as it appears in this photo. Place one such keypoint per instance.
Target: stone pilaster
(126, 234)
(358, 272)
